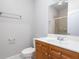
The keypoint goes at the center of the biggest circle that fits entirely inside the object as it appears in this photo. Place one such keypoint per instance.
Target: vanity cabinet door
(66, 54)
(41, 50)
(45, 50)
(55, 52)
(38, 50)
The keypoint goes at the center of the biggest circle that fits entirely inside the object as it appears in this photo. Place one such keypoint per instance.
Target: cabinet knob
(46, 54)
(39, 45)
(49, 55)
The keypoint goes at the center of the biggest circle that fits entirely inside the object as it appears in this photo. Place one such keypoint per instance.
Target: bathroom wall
(41, 18)
(73, 17)
(20, 30)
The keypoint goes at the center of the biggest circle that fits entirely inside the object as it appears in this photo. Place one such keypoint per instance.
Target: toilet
(27, 53)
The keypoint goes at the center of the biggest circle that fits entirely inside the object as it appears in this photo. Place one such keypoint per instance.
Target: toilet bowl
(27, 53)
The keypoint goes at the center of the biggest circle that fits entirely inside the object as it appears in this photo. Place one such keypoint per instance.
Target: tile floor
(15, 57)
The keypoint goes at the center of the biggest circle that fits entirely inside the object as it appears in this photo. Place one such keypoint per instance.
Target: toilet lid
(28, 50)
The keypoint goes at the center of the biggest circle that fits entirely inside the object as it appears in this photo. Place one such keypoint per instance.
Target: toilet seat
(29, 50)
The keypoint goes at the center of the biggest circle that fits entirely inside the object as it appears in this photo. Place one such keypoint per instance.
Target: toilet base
(27, 53)
(28, 58)
(23, 57)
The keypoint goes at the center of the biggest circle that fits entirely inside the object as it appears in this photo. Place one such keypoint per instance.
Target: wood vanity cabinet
(48, 51)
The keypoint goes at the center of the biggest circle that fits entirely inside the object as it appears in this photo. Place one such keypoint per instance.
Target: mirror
(63, 17)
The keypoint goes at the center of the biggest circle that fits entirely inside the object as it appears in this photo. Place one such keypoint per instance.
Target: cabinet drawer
(41, 43)
(55, 48)
(38, 43)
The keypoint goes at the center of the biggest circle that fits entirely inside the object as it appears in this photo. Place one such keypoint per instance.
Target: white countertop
(72, 45)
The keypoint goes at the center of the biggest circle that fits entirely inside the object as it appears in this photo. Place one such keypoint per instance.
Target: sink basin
(51, 40)
(48, 38)
(54, 40)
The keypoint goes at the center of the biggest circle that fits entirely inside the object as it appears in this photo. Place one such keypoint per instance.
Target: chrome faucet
(60, 38)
